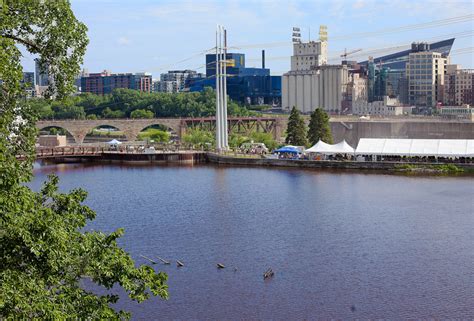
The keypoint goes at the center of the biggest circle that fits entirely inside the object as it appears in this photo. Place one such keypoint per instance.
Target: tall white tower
(221, 90)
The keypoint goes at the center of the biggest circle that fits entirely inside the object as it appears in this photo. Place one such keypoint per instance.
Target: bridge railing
(43, 151)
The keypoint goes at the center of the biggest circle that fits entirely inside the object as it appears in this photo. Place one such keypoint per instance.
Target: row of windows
(430, 77)
(424, 88)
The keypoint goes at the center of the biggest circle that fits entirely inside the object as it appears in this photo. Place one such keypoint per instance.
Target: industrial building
(251, 86)
(386, 107)
(105, 82)
(312, 83)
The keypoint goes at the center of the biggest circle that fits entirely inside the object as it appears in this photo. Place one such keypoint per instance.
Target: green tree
(296, 131)
(156, 135)
(236, 140)
(44, 250)
(41, 108)
(142, 113)
(92, 116)
(319, 128)
(109, 113)
(266, 138)
(68, 111)
(199, 137)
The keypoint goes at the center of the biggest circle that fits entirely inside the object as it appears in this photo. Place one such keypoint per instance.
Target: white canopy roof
(114, 142)
(324, 148)
(416, 147)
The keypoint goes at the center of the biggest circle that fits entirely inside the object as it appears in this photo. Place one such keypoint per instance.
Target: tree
(67, 111)
(319, 128)
(156, 135)
(44, 251)
(199, 137)
(296, 130)
(265, 138)
(141, 113)
(109, 113)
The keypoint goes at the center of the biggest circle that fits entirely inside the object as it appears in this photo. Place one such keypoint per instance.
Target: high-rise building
(177, 80)
(105, 82)
(425, 73)
(42, 74)
(458, 86)
(398, 60)
(28, 84)
(396, 82)
(380, 88)
(371, 80)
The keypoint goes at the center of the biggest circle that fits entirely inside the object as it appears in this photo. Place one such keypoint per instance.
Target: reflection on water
(342, 245)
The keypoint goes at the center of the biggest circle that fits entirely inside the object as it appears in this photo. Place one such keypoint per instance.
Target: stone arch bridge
(132, 127)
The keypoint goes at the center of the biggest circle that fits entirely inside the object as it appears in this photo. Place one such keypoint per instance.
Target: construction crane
(345, 54)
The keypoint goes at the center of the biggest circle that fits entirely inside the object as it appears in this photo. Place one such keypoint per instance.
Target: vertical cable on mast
(224, 107)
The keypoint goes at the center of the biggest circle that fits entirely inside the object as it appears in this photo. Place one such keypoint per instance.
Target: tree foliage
(156, 135)
(132, 103)
(141, 113)
(296, 131)
(44, 251)
(199, 137)
(319, 128)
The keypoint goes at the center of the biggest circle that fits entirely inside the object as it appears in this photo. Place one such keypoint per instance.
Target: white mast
(221, 90)
(218, 101)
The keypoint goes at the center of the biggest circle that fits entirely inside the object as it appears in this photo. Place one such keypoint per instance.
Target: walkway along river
(341, 245)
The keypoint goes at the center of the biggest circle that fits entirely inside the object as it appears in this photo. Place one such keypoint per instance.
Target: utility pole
(221, 89)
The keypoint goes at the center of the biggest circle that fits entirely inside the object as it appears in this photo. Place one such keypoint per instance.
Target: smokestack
(263, 59)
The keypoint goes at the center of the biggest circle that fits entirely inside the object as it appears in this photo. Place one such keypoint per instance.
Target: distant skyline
(156, 36)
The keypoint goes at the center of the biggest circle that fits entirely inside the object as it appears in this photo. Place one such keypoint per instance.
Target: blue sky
(154, 36)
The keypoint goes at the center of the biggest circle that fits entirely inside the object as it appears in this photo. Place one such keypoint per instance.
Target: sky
(160, 35)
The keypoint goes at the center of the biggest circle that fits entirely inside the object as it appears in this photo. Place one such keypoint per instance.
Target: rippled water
(342, 245)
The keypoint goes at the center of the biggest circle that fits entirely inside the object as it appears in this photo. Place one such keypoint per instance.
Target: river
(343, 245)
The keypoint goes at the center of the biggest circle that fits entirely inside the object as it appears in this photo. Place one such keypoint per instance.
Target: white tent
(344, 148)
(114, 142)
(320, 147)
(416, 147)
(324, 148)
(424, 147)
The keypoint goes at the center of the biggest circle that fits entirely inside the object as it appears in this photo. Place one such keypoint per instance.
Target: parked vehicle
(254, 148)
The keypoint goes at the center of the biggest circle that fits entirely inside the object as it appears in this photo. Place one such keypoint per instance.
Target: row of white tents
(328, 149)
(400, 147)
(416, 147)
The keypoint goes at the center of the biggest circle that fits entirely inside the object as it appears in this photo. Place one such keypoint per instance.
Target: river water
(342, 245)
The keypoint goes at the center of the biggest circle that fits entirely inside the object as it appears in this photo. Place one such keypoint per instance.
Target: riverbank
(201, 157)
(431, 168)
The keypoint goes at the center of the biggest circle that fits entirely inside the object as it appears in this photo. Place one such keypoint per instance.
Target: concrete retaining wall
(352, 131)
(238, 161)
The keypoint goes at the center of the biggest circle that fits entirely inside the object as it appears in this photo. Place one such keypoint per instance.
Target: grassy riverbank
(435, 169)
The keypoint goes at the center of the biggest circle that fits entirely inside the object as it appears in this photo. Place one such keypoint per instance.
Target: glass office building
(252, 86)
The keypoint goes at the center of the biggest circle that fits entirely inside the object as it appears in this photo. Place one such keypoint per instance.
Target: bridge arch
(60, 130)
(104, 132)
